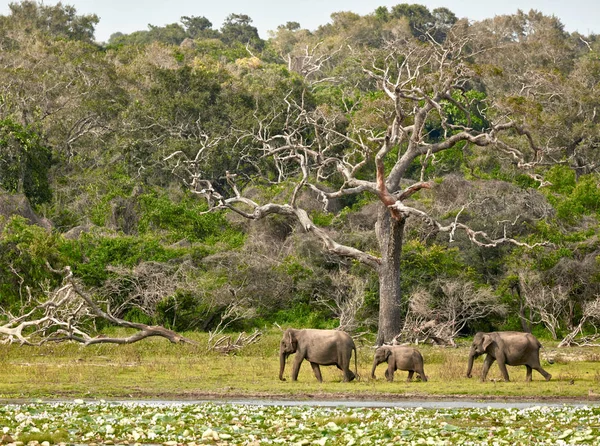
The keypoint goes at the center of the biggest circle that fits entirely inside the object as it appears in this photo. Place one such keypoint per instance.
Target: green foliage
(571, 196)
(58, 21)
(91, 254)
(24, 251)
(296, 269)
(322, 218)
(237, 28)
(472, 101)
(197, 27)
(544, 260)
(422, 264)
(562, 179)
(304, 315)
(183, 311)
(24, 162)
(187, 219)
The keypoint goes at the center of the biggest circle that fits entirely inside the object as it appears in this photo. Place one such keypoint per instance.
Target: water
(426, 404)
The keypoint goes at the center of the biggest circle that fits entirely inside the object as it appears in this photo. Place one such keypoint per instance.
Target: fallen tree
(66, 314)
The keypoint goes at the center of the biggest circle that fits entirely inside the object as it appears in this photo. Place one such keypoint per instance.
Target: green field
(154, 368)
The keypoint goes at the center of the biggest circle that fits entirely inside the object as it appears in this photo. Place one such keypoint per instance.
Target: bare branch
(62, 316)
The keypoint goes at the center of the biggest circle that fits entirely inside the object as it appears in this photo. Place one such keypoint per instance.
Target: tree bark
(390, 232)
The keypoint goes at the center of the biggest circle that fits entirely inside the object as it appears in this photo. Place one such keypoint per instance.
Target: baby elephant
(399, 357)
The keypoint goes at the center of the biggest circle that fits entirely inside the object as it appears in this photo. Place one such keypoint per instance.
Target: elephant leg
(410, 376)
(317, 371)
(544, 373)
(535, 365)
(343, 364)
(502, 366)
(389, 373)
(421, 372)
(489, 360)
(349, 375)
(296, 366)
(528, 375)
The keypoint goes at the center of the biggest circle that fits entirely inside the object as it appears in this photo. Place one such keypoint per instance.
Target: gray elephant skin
(319, 347)
(399, 357)
(507, 348)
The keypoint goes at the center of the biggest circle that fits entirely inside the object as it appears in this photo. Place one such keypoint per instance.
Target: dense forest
(405, 173)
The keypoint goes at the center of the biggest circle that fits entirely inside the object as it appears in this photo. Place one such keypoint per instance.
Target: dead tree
(220, 342)
(590, 316)
(63, 316)
(346, 301)
(548, 305)
(314, 145)
(441, 319)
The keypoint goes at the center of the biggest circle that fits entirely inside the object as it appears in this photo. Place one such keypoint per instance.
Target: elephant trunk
(472, 356)
(282, 357)
(375, 364)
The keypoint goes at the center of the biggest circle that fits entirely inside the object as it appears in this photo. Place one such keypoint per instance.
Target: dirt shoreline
(303, 397)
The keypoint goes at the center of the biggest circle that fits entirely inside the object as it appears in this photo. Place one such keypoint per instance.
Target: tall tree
(54, 20)
(381, 144)
(237, 28)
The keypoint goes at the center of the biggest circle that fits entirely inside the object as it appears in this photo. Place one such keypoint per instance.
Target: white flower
(332, 426)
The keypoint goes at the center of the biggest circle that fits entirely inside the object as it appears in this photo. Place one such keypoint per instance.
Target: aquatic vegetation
(204, 423)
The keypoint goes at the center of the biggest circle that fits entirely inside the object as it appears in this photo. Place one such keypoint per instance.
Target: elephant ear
(486, 341)
(387, 352)
(291, 340)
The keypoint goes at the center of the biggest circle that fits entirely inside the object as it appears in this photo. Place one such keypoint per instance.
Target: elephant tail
(355, 362)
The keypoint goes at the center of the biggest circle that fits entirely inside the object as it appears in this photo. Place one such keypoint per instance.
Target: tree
(391, 136)
(65, 315)
(24, 162)
(443, 315)
(419, 17)
(57, 21)
(237, 28)
(196, 27)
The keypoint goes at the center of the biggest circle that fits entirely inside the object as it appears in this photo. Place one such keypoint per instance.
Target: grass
(154, 368)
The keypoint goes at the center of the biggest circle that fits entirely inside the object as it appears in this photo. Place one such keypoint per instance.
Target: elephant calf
(399, 357)
(508, 348)
(319, 347)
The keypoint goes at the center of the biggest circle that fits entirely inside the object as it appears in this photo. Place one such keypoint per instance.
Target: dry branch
(225, 344)
(218, 341)
(63, 316)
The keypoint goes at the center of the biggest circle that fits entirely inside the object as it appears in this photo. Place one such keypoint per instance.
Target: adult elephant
(399, 357)
(319, 347)
(508, 348)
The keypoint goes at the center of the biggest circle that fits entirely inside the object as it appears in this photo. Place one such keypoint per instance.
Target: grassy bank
(154, 368)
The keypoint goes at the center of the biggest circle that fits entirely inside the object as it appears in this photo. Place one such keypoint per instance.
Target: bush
(24, 251)
(186, 219)
(91, 254)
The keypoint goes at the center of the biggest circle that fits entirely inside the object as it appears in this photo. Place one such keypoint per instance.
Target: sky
(127, 16)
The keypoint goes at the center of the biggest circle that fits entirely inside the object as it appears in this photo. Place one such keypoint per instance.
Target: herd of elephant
(333, 347)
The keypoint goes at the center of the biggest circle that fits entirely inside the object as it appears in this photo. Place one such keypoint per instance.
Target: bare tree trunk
(525, 327)
(390, 235)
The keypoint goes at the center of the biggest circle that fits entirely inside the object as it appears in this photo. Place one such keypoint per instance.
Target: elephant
(319, 347)
(507, 347)
(399, 357)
